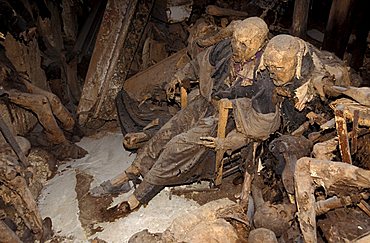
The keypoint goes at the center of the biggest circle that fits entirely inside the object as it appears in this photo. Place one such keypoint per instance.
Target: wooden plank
(142, 84)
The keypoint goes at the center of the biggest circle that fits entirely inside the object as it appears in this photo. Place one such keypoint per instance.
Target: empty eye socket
(244, 45)
(241, 45)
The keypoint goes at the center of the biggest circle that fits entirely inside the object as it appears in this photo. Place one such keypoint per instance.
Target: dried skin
(248, 37)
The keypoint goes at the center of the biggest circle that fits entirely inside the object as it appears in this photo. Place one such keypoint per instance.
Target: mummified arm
(233, 141)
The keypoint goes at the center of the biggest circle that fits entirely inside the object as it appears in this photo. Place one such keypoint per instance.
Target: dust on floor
(106, 158)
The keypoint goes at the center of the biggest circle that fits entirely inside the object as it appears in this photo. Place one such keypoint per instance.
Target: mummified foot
(107, 188)
(68, 150)
(116, 212)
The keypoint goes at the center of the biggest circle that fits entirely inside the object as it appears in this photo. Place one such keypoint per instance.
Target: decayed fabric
(252, 123)
(134, 117)
(183, 121)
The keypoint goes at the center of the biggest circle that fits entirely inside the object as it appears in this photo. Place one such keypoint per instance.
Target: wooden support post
(300, 17)
(341, 125)
(223, 109)
(338, 27)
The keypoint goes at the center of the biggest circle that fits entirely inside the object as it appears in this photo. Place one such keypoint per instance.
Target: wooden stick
(184, 97)
(364, 207)
(223, 108)
(7, 235)
(355, 129)
(12, 142)
(342, 134)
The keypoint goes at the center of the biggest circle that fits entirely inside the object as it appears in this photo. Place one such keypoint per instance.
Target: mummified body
(20, 217)
(18, 92)
(177, 154)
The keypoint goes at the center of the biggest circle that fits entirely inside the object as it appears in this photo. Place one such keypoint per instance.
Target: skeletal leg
(130, 172)
(135, 140)
(305, 200)
(40, 105)
(58, 109)
(118, 183)
(184, 120)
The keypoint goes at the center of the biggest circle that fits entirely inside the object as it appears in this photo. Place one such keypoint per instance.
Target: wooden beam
(300, 17)
(338, 27)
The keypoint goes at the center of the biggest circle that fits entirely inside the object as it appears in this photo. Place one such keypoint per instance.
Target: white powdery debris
(157, 216)
(105, 160)
(58, 201)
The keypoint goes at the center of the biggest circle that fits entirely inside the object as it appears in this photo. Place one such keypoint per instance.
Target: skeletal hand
(213, 143)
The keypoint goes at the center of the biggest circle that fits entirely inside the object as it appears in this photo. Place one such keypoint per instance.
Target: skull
(281, 58)
(248, 37)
